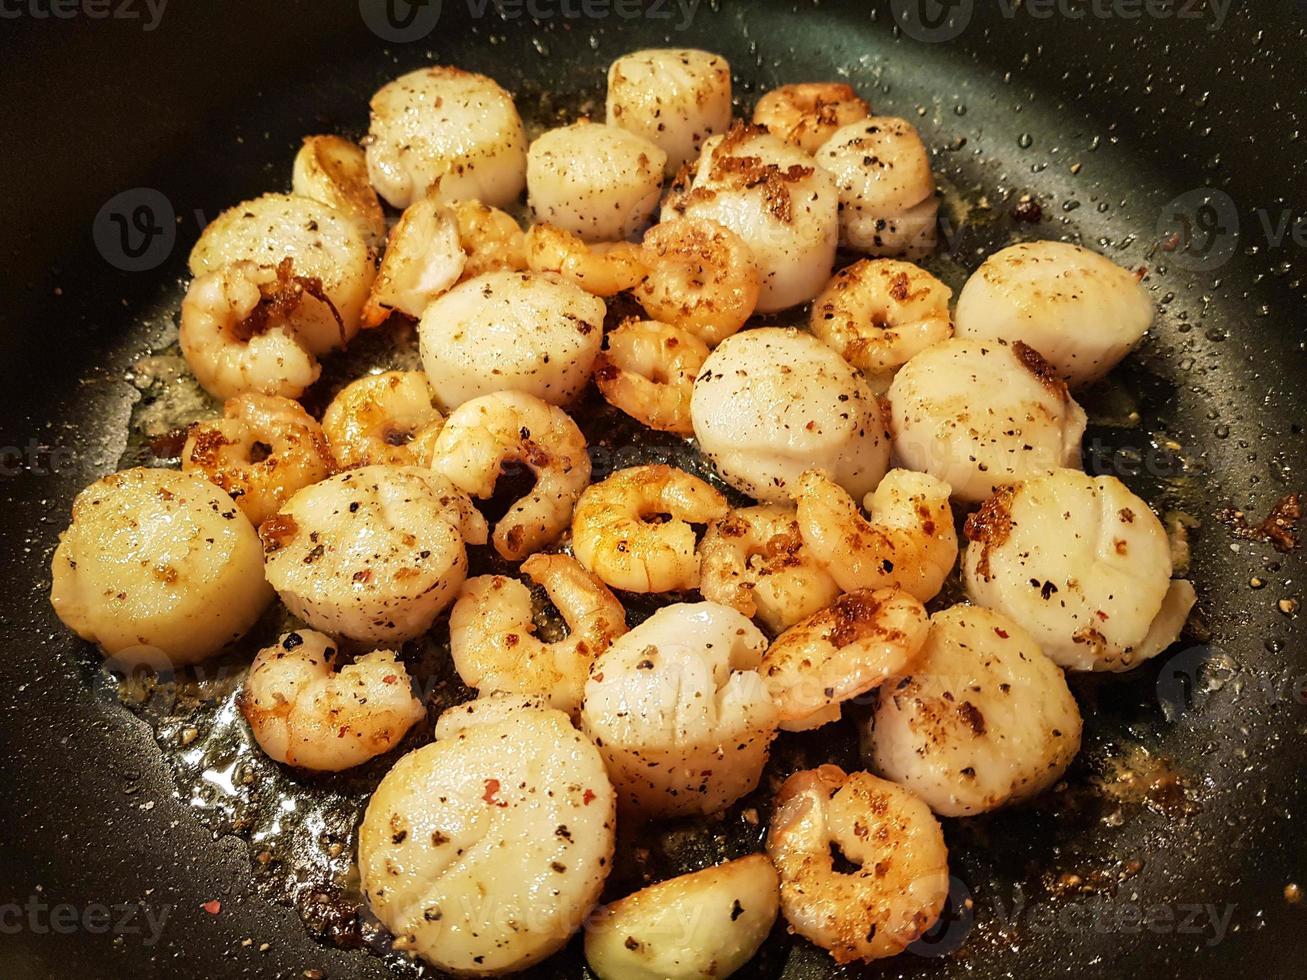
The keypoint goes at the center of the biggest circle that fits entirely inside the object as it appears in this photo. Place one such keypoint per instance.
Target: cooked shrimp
(648, 372)
(754, 560)
(679, 713)
(1079, 309)
(982, 720)
(334, 171)
(702, 277)
(706, 924)
(374, 553)
(808, 114)
(909, 543)
(305, 713)
(492, 635)
(448, 130)
(155, 564)
(899, 890)
(383, 418)
(773, 402)
(776, 199)
(484, 851)
(614, 533)
(880, 312)
(328, 255)
(237, 333)
(886, 188)
(673, 97)
(424, 257)
(510, 427)
(979, 414)
(601, 269)
(491, 240)
(596, 181)
(841, 652)
(262, 450)
(511, 331)
(1082, 563)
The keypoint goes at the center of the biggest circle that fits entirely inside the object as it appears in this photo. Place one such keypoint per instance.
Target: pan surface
(1170, 142)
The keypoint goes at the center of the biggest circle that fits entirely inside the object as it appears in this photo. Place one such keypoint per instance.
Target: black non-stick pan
(1169, 135)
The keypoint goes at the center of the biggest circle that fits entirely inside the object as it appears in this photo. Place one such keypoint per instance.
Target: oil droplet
(1025, 141)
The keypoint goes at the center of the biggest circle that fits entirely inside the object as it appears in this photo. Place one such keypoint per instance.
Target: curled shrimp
(878, 313)
(510, 426)
(843, 651)
(261, 451)
(910, 542)
(492, 636)
(601, 269)
(423, 259)
(237, 333)
(806, 115)
(754, 560)
(387, 418)
(702, 278)
(305, 713)
(899, 889)
(615, 534)
(491, 239)
(648, 372)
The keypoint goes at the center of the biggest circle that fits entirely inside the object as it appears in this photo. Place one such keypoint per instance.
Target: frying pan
(1167, 136)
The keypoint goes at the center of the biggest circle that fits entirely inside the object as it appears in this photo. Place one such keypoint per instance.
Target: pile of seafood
(859, 444)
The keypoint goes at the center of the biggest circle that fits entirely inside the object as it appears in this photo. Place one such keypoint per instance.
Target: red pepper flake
(492, 787)
(363, 576)
(389, 679)
(1101, 615)
(587, 797)
(1003, 634)
(212, 907)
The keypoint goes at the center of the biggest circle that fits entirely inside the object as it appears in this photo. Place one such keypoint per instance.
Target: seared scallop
(157, 562)
(774, 197)
(1083, 564)
(598, 182)
(673, 97)
(485, 850)
(981, 414)
(773, 402)
(696, 926)
(511, 331)
(373, 553)
(679, 712)
(983, 718)
(1079, 309)
(887, 191)
(447, 131)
